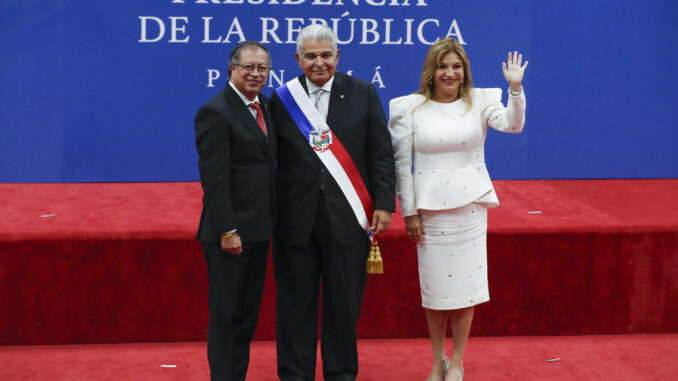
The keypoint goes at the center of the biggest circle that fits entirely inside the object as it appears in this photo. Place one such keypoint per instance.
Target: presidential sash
(328, 148)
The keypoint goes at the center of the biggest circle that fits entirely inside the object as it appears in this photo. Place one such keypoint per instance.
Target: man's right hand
(232, 244)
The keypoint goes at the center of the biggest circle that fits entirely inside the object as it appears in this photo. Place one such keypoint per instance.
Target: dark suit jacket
(356, 117)
(237, 169)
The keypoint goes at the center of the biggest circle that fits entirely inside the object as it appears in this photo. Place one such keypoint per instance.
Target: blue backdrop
(107, 90)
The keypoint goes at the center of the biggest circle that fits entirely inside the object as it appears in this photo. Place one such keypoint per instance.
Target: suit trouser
(236, 283)
(300, 272)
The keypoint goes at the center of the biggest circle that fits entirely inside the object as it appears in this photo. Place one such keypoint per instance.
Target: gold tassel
(375, 265)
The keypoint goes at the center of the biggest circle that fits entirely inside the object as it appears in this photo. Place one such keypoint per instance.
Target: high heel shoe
(444, 373)
(447, 367)
(460, 372)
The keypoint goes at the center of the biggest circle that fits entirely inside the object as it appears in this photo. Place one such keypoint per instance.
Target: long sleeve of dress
(400, 126)
(509, 119)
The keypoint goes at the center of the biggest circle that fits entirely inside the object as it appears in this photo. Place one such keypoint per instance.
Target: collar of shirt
(244, 99)
(312, 87)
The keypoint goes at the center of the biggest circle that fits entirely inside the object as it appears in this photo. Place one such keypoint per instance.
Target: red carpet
(106, 263)
(621, 357)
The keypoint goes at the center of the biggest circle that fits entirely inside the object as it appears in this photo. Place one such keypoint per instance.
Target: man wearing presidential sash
(335, 184)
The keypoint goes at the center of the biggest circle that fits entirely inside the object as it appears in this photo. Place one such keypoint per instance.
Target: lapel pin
(341, 96)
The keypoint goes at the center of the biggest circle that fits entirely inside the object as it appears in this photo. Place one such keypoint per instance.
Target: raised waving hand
(514, 70)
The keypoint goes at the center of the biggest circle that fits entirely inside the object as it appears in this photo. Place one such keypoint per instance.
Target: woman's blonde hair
(433, 57)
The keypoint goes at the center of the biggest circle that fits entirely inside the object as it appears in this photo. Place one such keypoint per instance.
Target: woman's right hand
(414, 228)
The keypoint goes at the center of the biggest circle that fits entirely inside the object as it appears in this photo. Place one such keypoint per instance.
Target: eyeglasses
(249, 68)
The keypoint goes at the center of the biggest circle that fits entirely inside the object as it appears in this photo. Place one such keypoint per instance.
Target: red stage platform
(524, 358)
(106, 263)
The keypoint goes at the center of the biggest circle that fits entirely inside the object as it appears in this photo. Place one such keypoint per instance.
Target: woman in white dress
(444, 188)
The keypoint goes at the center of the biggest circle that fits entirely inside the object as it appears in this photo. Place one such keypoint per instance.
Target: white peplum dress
(441, 174)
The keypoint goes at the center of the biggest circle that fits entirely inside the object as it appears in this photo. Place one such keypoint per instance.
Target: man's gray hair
(316, 32)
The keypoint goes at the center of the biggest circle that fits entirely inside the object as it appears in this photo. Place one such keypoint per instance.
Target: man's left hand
(381, 219)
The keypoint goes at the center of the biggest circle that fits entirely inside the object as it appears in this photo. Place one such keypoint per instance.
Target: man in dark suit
(319, 242)
(237, 148)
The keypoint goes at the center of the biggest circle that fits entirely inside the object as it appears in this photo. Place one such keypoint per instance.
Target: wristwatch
(516, 93)
(229, 234)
